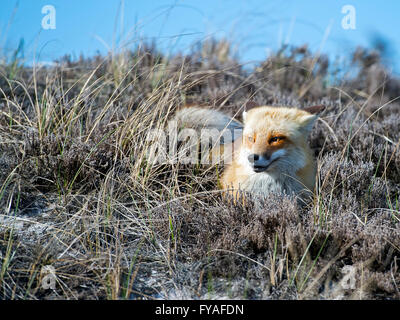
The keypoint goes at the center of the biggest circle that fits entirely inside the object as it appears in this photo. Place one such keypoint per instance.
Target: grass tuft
(78, 194)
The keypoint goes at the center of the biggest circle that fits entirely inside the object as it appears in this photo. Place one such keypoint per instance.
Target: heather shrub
(78, 193)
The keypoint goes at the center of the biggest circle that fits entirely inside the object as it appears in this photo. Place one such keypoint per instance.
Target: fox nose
(253, 158)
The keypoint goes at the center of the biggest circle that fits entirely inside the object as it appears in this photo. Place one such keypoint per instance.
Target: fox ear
(249, 105)
(314, 109)
(244, 114)
(307, 122)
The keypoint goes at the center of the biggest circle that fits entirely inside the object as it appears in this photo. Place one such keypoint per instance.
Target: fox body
(272, 155)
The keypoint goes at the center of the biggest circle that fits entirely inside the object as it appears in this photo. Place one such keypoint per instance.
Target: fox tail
(201, 118)
(198, 118)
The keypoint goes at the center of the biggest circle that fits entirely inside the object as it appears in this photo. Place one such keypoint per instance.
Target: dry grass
(78, 194)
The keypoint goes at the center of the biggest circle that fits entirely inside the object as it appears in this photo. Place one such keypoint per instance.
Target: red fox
(272, 154)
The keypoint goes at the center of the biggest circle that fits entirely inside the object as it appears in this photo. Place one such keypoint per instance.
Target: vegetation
(84, 215)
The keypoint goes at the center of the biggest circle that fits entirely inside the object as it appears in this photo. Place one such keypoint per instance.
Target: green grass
(83, 197)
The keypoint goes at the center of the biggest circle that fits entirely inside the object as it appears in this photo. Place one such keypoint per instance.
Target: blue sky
(255, 27)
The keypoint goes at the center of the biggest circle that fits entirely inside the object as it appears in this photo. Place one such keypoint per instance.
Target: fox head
(275, 138)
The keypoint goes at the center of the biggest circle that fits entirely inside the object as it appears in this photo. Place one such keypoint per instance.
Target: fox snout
(258, 162)
(261, 162)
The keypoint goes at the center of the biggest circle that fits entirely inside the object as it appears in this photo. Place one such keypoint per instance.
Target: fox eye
(276, 139)
(251, 138)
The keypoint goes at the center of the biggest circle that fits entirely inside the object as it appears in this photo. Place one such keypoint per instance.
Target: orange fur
(271, 156)
(290, 128)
